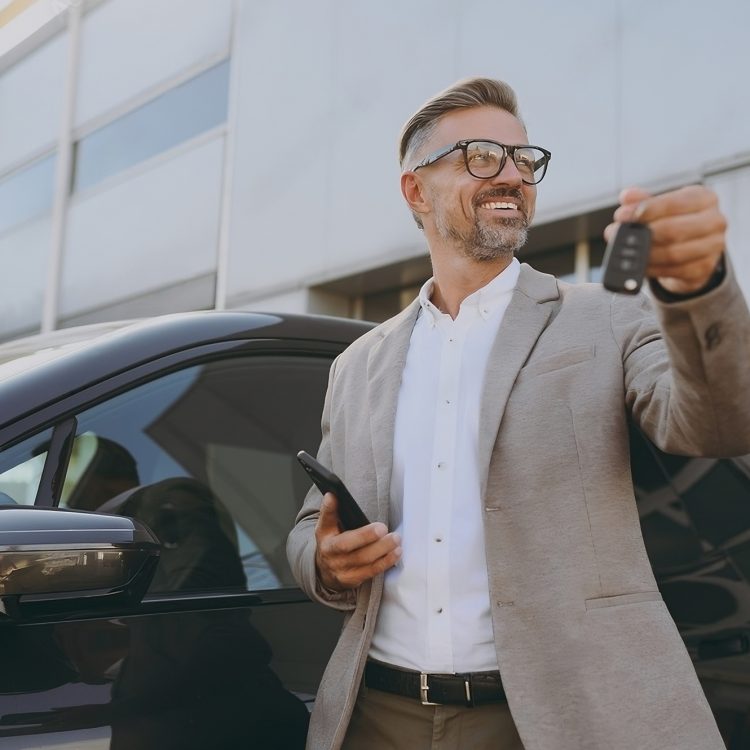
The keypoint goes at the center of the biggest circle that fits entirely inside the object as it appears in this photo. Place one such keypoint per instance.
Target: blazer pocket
(617, 601)
(573, 356)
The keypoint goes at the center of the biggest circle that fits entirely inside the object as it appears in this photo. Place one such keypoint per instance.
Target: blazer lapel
(385, 365)
(525, 319)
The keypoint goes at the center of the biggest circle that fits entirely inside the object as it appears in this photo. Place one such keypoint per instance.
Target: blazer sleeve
(301, 542)
(687, 369)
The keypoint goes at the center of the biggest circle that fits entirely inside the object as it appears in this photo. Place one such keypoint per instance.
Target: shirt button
(438, 539)
(440, 610)
(441, 464)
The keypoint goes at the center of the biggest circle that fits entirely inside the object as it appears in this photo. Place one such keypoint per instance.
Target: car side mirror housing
(57, 562)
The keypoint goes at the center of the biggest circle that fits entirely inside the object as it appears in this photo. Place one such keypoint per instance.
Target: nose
(508, 175)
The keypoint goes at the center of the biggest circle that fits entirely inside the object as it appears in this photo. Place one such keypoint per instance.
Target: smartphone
(626, 258)
(351, 515)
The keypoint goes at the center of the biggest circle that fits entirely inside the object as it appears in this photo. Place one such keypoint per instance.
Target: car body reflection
(695, 516)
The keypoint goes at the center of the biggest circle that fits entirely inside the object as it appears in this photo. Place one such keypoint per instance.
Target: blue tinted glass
(27, 193)
(186, 111)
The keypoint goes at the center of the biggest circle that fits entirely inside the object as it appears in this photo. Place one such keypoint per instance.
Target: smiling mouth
(499, 205)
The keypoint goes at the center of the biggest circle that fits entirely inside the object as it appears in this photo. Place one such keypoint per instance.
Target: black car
(147, 486)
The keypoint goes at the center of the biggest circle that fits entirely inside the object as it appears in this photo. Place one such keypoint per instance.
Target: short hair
(464, 94)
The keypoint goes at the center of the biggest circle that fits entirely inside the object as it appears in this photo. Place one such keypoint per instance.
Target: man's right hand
(346, 559)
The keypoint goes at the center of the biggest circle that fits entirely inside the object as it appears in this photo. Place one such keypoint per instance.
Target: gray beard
(483, 242)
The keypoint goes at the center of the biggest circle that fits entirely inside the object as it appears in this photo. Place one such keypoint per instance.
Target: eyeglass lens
(485, 159)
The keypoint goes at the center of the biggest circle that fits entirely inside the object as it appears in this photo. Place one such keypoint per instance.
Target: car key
(626, 258)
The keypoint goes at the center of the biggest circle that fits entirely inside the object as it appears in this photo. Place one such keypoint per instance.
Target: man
(486, 426)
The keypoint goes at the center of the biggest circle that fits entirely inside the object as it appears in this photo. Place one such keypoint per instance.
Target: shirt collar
(486, 300)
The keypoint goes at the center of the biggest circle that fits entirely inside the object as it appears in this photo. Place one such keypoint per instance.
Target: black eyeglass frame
(507, 150)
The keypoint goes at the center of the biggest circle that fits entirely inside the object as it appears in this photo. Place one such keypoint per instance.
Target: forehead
(477, 122)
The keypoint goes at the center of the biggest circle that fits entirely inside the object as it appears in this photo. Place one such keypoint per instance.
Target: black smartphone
(350, 514)
(626, 258)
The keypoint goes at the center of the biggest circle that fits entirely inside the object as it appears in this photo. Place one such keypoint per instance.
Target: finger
(693, 250)
(630, 200)
(351, 577)
(347, 542)
(692, 275)
(685, 200)
(387, 561)
(328, 519)
(683, 286)
(687, 227)
(364, 555)
(609, 231)
(631, 195)
(621, 215)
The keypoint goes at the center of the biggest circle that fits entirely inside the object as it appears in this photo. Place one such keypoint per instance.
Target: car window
(21, 469)
(206, 458)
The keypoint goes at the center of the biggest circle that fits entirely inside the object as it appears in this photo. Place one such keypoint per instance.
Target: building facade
(165, 155)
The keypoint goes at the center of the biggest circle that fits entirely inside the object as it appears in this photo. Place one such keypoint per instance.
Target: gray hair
(469, 92)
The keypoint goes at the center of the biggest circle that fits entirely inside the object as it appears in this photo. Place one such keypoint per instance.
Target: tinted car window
(21, 469)
(206, 458)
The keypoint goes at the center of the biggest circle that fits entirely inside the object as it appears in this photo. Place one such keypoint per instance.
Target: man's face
(482, 219)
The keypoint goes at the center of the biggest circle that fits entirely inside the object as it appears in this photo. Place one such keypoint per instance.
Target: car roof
(43, 368)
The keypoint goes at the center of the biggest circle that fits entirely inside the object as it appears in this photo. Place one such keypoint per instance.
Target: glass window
(177, 115)
(559, 261)
(21, 469)
(379, 306)
(27, 192)
(206, 458)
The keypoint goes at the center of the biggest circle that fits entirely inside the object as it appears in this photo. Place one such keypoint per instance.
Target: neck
(456, 277)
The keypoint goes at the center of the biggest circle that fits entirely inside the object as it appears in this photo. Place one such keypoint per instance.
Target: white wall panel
(733, 189)
(31, 95)
(154, 229)
(685, 100)
(561, 59)
(316, 180)
(387, 64)
(621, 91)
(346, 78)
(128, 46)
(23, 258)
(278, 209)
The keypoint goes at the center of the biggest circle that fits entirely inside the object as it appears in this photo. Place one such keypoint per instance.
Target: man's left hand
(687, 234)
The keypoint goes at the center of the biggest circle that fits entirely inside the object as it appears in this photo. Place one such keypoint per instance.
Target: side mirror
(55, 562)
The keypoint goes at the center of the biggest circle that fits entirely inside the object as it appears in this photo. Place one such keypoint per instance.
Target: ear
(412, 188)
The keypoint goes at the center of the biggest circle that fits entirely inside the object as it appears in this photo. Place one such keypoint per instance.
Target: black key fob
(626, 258)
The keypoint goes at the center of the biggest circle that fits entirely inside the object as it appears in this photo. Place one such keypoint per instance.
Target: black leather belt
(468, 689)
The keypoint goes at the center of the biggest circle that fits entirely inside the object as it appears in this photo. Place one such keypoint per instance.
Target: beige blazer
(589, 656)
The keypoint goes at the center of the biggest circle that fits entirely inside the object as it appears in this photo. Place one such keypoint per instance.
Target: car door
(224, 650)
(695, 517)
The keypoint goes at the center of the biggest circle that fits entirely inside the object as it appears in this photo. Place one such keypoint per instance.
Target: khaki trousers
(382, 721)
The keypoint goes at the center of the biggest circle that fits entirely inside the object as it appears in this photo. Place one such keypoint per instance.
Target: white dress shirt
(435, 612)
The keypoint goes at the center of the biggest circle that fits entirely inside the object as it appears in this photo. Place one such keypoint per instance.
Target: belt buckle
(423, 688)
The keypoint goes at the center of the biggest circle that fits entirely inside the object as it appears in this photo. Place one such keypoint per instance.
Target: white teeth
(500, 204)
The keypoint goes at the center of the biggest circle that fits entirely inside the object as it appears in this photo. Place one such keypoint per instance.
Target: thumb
(634, 199)
(328, 520)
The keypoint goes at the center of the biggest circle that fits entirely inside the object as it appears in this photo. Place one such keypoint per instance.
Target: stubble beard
(483, 242)
(486, 241)
(501, 240)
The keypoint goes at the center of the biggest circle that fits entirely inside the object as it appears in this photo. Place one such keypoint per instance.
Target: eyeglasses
(486, 159)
